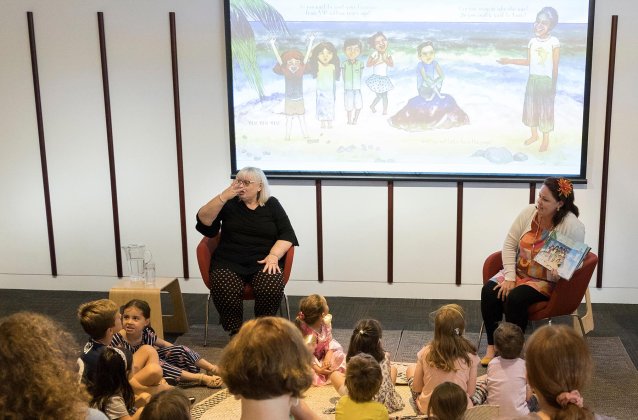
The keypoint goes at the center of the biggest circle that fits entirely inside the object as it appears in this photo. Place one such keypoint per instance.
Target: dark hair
(266, 359)
(366, 338)
(142, 305)
(558, 360)
(111, 378)
(375, 36)
(552, 16)
(314, 59)
(568, 201)
(363, 377)
(423, 45)
(509, 340)
(352, 41)
(448, 402)
(170, 404)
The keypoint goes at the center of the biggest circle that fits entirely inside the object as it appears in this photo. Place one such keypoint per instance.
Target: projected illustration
(397, 88)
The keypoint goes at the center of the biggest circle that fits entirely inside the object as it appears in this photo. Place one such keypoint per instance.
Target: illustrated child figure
(112, 393)
(379, 60)
(366, 338)
(363, 380)
(314, 319)
(100, 319)
(167, 405)
(429, 75)
(352, 69)
(179, 363)
(449, 357)
(506, 374)
(324, 66)
(448, 402)
(543, 54)
(292, 65)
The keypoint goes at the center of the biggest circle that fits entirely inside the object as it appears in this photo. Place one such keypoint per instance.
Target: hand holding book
(562, 254)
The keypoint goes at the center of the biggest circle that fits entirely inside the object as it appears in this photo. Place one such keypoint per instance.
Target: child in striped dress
(179, 363)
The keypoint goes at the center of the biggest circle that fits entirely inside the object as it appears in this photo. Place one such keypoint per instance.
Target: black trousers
(228, 288)
(514, 307)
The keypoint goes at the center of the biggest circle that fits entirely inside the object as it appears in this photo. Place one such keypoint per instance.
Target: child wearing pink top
(314, 319)
(506, 374)
(449, 357)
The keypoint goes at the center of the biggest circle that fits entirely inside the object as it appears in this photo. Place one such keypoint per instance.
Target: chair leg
(287, 307)
(478, 343)
(206, 322)
(580, 322)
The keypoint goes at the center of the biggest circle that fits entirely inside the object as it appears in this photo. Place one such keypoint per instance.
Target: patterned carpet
(613, 392)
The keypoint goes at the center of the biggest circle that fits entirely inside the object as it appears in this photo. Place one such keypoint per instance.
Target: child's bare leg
(393, 374)
(288, 126)
(146, 370)
(385, 103)
(356, 116)
(491, 351)
(206, 365)
(545, 143)
(409, 373)
(375, 102)
(148, 380)
(533, 137)
(338, 380)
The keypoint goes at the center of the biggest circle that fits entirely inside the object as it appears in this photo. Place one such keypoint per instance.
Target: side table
(125, 290)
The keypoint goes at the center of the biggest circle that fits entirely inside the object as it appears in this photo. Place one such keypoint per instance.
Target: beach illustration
(436, 101)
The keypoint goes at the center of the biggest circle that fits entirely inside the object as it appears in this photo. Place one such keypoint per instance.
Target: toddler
(506, 374)
(167, 405)
(363, 380)
(314, 319)
(366, 338)
(448, 402)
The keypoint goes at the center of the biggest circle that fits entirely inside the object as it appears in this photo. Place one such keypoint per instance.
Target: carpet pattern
(613, 391)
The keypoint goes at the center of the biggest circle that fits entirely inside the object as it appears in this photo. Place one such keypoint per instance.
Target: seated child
(366, 338)
(171, 404)
(506, 374)
(363, 380)
(100, 319)
(179, 363)
(267, 366)
(449, 357)
(314, 319)
(448, 402)
(112, 392)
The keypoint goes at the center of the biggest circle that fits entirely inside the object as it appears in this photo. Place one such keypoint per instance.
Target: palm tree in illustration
(243, 46)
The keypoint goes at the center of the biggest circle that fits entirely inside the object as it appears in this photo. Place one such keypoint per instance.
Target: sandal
(214, 381)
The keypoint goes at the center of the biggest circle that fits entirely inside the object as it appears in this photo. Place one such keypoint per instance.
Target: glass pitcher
(137, 256)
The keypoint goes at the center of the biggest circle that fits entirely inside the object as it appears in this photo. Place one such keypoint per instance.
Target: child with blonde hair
(314, 319)
(449, 357)
(366, 338)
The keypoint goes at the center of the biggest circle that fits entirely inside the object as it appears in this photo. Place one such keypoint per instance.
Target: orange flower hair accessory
(565, 187)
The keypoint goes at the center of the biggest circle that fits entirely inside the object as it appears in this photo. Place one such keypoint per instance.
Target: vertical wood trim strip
(319, 231)
(532, 192)
(606, 144)
(178, 143)
(459, 231)
(109, 141)
(390, 231)
(43, 151)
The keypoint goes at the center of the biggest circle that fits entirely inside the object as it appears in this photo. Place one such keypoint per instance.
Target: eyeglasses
(244, 182)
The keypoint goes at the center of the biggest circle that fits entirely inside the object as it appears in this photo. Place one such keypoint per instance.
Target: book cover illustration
(561, 253)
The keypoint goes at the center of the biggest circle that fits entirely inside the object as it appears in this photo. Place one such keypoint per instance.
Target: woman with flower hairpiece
(522, 281)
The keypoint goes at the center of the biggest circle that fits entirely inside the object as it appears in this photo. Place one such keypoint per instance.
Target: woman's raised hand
(230, 192)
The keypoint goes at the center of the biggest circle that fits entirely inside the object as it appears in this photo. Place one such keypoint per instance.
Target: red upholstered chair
(567, 295)
(205, 251)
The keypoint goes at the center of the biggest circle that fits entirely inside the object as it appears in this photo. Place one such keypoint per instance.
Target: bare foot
(530, 140)
(544, 147)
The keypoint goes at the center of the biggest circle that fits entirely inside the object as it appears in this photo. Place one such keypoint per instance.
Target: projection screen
(402, 89)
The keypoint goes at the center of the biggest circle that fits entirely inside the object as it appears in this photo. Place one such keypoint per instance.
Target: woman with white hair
(256, 234)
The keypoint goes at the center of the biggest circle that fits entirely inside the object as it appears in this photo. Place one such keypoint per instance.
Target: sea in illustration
(488, 100)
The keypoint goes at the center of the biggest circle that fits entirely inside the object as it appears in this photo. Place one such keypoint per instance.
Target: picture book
(562, 253)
